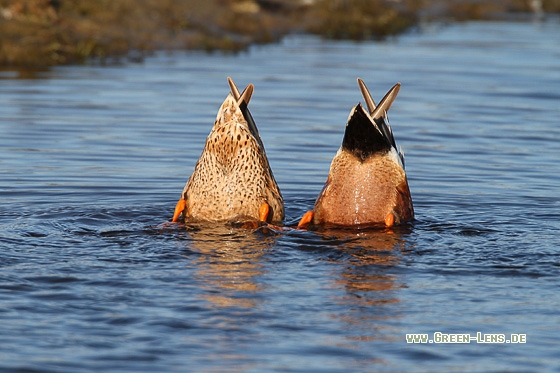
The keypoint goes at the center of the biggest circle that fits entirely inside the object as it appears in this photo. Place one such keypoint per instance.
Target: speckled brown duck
(367, 182)
(232, 180)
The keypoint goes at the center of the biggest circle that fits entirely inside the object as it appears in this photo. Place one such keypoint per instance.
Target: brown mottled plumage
(367, 182)
(232, 180)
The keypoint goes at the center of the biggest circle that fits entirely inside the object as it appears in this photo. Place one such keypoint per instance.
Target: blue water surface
(93, 159)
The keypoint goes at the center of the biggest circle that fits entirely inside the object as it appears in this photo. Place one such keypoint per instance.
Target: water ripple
(94, 277)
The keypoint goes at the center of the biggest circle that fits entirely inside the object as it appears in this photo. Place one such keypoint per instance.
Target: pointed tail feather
(243, 102)
(367, 96)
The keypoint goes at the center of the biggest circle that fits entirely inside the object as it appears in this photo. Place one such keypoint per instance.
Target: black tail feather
(363, 137)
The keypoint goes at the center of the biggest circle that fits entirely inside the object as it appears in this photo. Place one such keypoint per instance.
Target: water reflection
(90, 156)
(370, 282)
(231, 263)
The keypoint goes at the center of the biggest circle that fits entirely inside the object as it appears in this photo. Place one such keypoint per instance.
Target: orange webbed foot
(306, 219)
(181, 205)
(389, 220)
(264, 210)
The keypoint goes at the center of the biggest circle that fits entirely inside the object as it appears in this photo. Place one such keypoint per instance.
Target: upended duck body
(232, 180)
(367, 181)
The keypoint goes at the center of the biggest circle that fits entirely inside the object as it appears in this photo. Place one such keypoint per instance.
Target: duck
(367, 183)
(232, 180)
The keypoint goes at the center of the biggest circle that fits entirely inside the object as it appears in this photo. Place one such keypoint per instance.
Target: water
(93, 159)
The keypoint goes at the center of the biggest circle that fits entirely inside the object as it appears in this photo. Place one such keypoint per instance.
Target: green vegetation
(38, 33)
(50, 32)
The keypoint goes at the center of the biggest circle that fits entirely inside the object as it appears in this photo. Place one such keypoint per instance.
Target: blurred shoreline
(42, 33)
